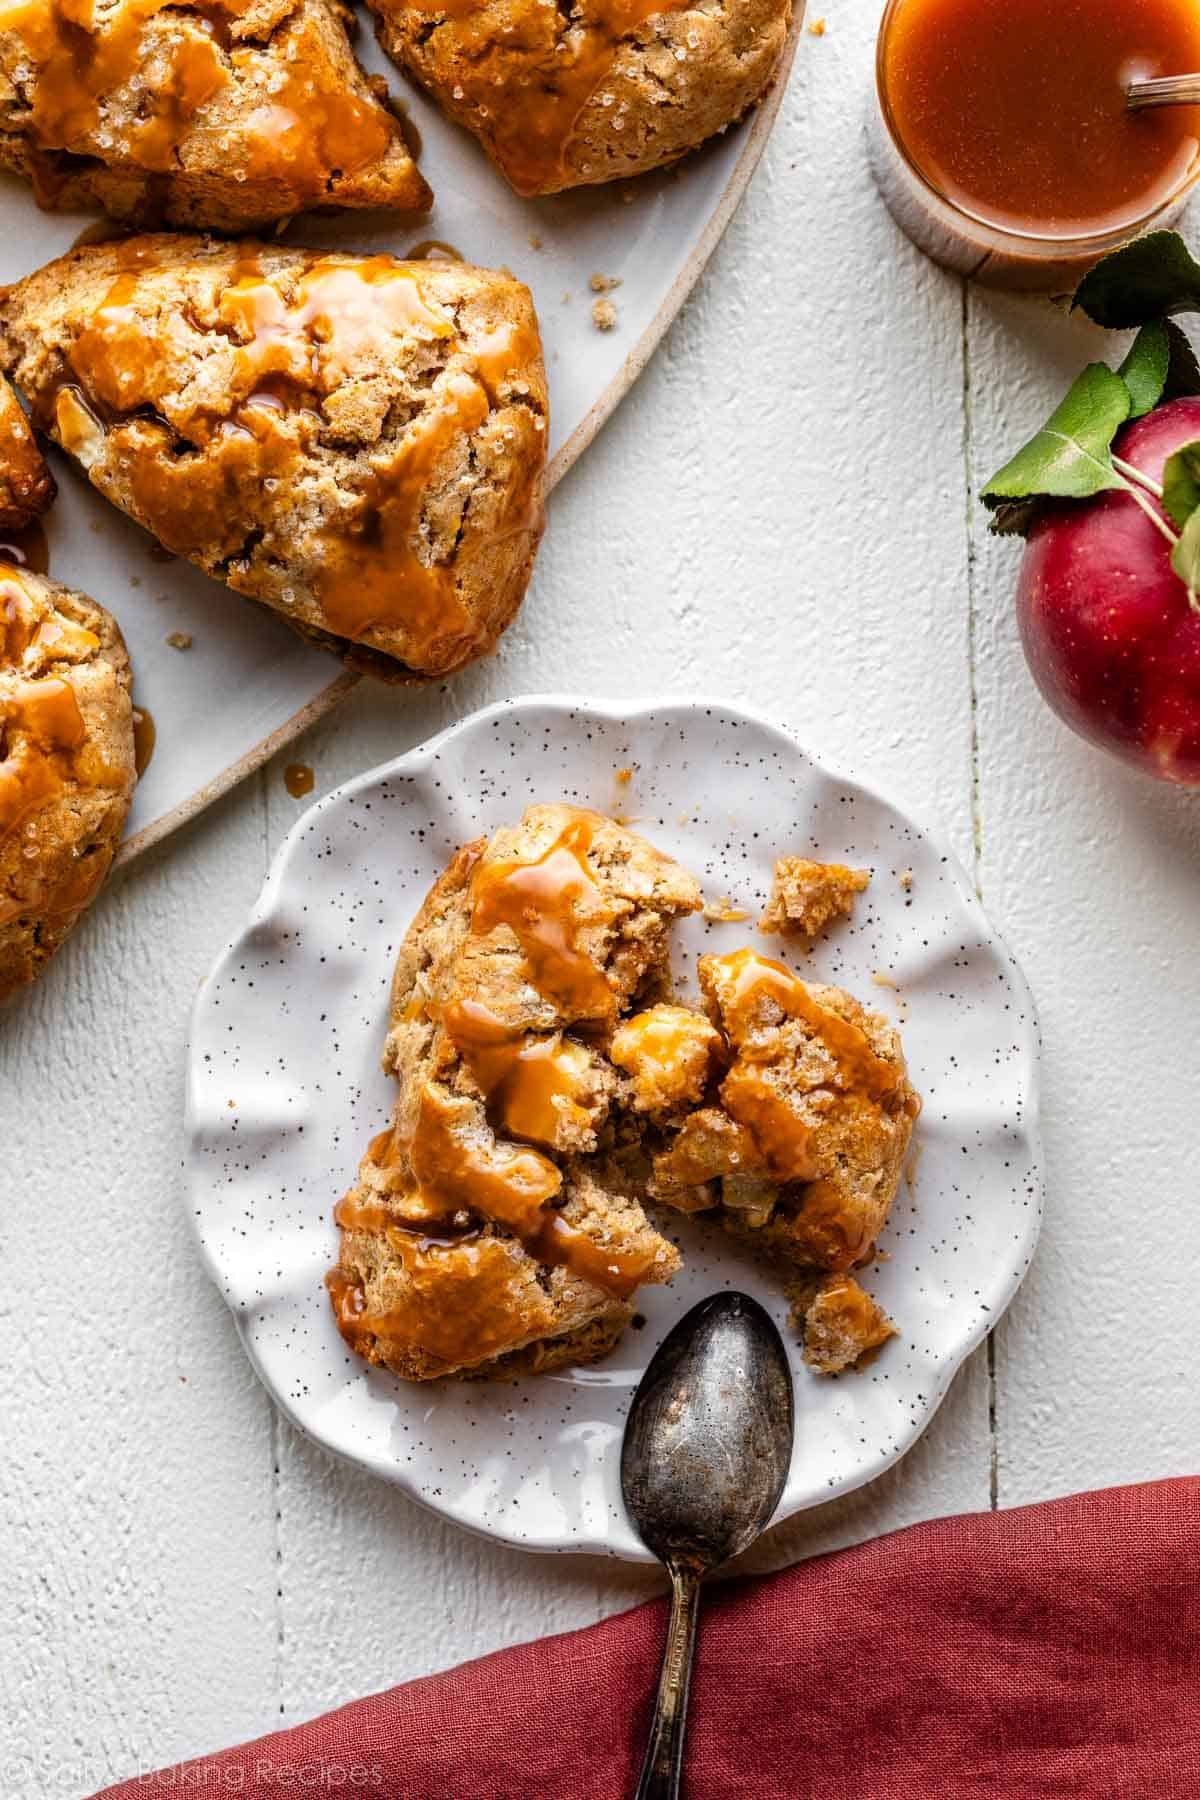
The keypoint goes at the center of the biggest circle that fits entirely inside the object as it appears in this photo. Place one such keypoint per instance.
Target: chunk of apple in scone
(567, 97)
(493, 1228)
(359, 443)
(221, 113)
(66, 763)
(26, 484)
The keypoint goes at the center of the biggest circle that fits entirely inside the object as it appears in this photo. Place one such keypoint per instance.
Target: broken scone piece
(66, 763)
(563, 98)
(221, 113)
(359, 443)
(26, 484)
(494, 1228)
(807, 896)
(841, 1324)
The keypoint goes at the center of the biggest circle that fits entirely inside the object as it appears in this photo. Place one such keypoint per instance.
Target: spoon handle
(664, 1752)
(1166, 90)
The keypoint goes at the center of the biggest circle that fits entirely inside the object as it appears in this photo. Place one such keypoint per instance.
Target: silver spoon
(707, 1449)
(1165, 90)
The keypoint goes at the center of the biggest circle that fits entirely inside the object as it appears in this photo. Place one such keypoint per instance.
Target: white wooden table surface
(782, 513)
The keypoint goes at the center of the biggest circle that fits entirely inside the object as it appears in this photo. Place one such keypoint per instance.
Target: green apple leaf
(1181, 483)
(1185, 559)
(1145, 280)
(1146, 368)
(1070, 458)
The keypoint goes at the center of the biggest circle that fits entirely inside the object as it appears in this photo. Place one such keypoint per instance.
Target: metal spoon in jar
(707, 1449)
(1166, 90)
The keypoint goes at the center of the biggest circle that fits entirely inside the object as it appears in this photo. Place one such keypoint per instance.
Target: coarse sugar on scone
(66, 763)
(358, 443)
(806, 896)
(226, 114)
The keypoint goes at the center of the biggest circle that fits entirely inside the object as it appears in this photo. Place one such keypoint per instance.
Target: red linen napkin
(1052, 1650)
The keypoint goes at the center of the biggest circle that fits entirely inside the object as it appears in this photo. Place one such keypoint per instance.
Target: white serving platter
(285, 1091)
(249, 685)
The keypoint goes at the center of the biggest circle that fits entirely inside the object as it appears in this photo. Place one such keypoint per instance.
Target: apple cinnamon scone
(551, 1088)
(26, 484)
(359, 443)
(66, 763)
(496, 1226)
(221, 113)
(566, 97)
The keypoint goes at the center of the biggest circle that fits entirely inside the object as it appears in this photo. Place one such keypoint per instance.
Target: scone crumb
(535, 242)
(604, 315)
(604, 284)
(817, 28)
(807, 896)
(180, 640)
(842, 1325)
(906, 879)
(624, 777)
(724, 912)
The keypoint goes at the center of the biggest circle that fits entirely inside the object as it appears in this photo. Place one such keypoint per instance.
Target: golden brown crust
(807, 896)
(217, 115)
(66, 764)
(610, 89)
(357, 443)
(26, 484)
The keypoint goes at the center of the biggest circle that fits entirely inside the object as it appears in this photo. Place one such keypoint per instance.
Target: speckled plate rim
(564, 459)
(1006, 1281)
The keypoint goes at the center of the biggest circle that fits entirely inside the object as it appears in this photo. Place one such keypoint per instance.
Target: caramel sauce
(299, 780)
(288, 354)
(308, 128)
(538, 79)
(27, 549)
(502, 1181)
(546, 904)
(1017, 113)
(145, 737)
(618, 1272)
(521, 1075)
(433, 250)
(79, 64)
(749, 1094)
(41, 730)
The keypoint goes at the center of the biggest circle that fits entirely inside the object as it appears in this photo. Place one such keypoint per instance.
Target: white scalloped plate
(653, 236)
(285, 1091)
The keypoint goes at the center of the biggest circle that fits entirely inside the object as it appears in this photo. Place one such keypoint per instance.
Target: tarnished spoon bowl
(708, 1444)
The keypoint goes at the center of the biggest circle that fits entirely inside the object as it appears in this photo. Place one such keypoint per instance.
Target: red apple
(1109, 632)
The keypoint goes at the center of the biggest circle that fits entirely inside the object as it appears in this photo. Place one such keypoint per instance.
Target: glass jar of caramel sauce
(1002, 141)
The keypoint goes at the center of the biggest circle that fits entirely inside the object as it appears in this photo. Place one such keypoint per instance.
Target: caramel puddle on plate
(145, 737)
(28, 549)
(299, 780)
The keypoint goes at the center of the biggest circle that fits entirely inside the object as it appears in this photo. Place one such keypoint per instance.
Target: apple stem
(1151, 511)
(1131, 473)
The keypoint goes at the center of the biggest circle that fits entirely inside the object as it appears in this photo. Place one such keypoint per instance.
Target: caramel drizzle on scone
(302, 134)
(447, 1180)
(537, 74)
(290, 354)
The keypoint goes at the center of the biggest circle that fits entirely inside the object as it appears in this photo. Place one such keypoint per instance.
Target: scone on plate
(802, 1144)
(66, 763)
(26, 484)
(359, 443)
(840, 1322)
(229, 114)
(563, 98)
(495, 1227)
